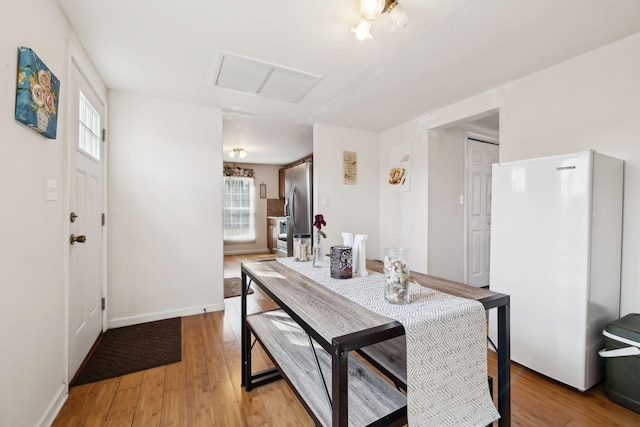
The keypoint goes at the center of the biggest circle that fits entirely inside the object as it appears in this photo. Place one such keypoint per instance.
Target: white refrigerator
(556, 240)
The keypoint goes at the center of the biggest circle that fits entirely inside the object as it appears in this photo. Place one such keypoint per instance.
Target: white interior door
(480, 156)
(86, 229)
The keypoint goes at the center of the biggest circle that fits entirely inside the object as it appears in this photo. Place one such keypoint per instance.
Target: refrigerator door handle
(619, 352)
(292, 214)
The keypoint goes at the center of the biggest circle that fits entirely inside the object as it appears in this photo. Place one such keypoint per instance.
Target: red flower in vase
(318, 223)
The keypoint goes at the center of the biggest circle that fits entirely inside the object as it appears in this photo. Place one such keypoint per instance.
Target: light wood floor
(204, 388)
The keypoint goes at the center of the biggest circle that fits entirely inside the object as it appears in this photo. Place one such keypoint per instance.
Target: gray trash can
(622, 354)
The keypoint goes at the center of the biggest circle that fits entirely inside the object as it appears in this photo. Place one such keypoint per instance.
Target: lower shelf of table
(370, 397)
(390, 357)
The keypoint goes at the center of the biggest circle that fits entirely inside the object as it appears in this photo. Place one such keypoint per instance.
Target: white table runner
(446, 347)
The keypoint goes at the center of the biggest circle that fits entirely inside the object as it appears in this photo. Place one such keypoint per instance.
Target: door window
(89, 128)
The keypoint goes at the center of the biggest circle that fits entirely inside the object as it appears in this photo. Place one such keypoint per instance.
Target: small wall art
(37, 94)
(400, 167)
(350, 167)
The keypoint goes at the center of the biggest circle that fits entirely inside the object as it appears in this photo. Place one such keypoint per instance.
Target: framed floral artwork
(37, 94)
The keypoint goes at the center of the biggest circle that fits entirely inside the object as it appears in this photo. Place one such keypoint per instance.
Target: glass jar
(317, 251)
(396, 275)
(302, 247)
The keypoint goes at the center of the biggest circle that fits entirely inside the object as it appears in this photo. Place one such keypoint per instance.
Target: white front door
(86, 192)
(480, 156)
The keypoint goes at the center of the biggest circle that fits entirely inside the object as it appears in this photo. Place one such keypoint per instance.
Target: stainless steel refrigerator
(298, 190)
(556, 248)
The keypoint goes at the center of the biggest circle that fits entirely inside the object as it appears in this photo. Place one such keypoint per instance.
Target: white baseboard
(56, 405)
(151, 317)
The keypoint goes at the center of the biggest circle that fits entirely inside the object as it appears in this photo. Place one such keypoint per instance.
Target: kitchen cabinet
(281, 175)
(272, 234)
(281, 183)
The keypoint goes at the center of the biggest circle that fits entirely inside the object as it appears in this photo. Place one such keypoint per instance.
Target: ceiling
(450, 50)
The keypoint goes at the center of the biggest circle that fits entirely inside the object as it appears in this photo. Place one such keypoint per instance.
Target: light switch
(325, 200)
(461, 199)
(52, 189)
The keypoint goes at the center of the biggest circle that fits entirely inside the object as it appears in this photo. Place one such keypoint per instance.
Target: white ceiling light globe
(371, 9)
(363, 30)
(399, 17)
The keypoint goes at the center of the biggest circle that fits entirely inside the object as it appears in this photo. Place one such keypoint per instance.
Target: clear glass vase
(396, 275)
(318, 257)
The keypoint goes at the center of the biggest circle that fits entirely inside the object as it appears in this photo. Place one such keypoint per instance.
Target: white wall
(165, 214)
(346, 208)
(33, 241)
(267, 174)
(592, 101)
(446, 173)
(587, 102)
(404, 215)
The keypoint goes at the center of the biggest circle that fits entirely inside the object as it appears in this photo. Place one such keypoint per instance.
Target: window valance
(236, 171)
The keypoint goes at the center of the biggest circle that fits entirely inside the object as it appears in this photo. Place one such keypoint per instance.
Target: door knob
(79, 239)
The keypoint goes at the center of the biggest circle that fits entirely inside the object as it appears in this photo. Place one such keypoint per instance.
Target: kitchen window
(239, 209)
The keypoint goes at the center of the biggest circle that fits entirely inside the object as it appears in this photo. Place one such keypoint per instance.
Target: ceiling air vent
(254, 77)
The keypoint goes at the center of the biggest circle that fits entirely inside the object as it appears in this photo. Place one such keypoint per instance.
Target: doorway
(481, 153)
(451, 198)
(86, 191)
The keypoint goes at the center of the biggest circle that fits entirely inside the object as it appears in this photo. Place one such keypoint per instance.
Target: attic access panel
(260, 78)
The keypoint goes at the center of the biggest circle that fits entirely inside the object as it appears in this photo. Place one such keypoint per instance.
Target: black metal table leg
(339, 386)
(245, 337)
(504, 365)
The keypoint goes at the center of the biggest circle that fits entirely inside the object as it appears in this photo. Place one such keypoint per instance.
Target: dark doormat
(233, 287)
(132, 348)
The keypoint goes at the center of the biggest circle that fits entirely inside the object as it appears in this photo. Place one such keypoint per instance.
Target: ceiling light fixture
(372, 9)
(399, 16)
(237, 152)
